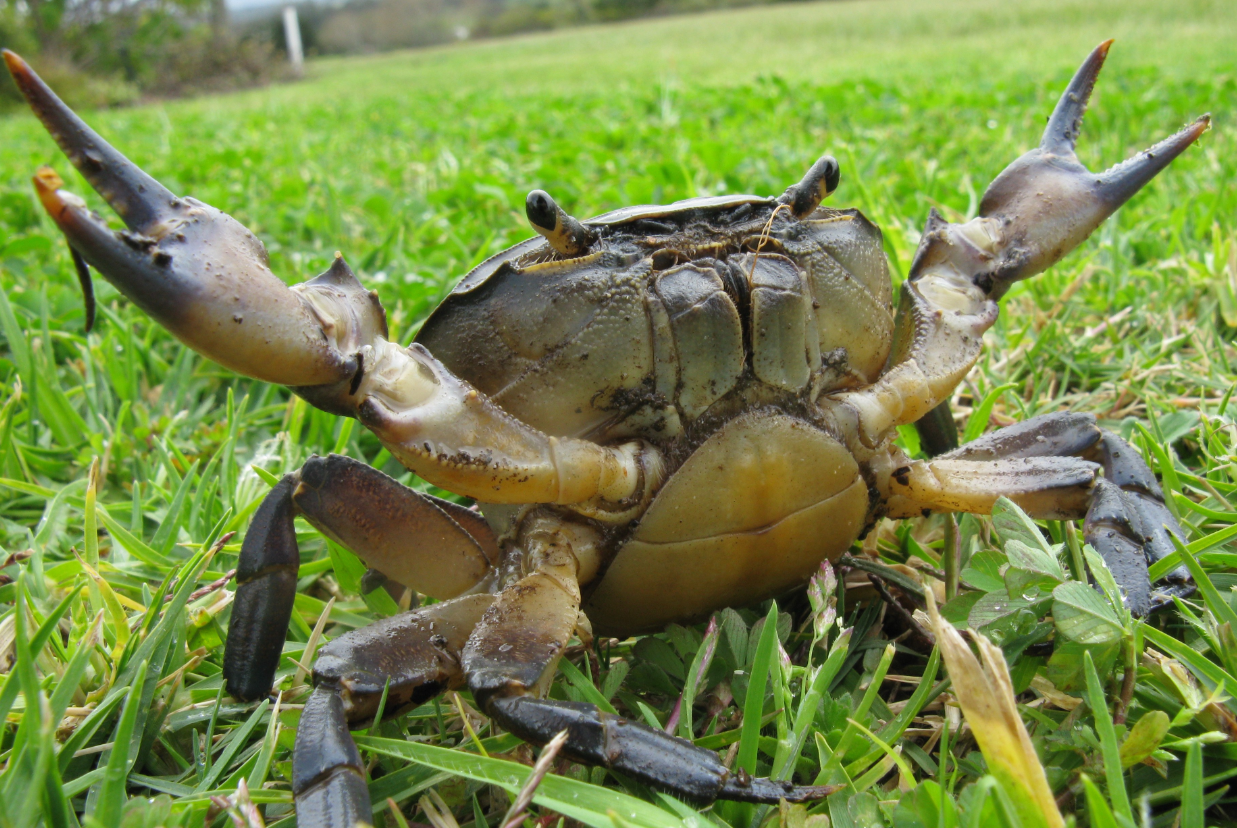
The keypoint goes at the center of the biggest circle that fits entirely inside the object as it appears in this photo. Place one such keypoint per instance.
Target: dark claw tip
(23, 75)
(1061, 134)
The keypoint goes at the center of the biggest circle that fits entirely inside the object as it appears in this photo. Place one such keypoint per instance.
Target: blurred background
(106, 52)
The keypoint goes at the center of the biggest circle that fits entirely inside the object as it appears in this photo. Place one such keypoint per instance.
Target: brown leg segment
(1051, 466)
(1129, 504)
(328, 778)
(512, 654)
(438, 548)
(414, 657)
(266, 588)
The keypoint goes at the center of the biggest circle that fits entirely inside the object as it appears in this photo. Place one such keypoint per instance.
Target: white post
(292, 34)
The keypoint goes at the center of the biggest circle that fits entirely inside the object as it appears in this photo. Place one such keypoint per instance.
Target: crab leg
(506, 647)
(1038, 209)
(328, 776)
(1050, 465)
(510, 659)
(206, 278)
(436, 547)
(414, 657)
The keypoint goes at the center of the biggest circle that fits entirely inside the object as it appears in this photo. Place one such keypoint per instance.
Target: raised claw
(136, 197)
(194, 269)
(1046, 203)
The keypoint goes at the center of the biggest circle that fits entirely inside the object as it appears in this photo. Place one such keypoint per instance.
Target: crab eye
(833, 174)
(564, 233)
(542, 211)
(821, 179)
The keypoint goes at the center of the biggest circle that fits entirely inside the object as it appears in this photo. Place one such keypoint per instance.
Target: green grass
(415, 166)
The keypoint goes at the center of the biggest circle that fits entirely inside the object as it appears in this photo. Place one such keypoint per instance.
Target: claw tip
(47, 180)
(14, 62)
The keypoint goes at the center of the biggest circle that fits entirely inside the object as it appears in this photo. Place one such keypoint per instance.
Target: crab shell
(707, 328)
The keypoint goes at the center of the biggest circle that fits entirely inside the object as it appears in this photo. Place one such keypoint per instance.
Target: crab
(661, 411)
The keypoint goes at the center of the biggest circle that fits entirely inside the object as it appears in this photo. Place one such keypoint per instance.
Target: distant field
(415, 165)
(920, 101)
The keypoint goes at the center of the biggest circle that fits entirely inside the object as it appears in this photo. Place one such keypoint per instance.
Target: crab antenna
(1061, 134)
(564, 233)
(139, 199)
(821, 180)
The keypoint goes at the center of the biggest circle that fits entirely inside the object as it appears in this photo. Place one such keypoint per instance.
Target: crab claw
(1046, 203)
(194, 269)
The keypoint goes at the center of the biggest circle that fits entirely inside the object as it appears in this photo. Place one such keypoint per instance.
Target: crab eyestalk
(821, 180)
(564, 233)
(197, 271)
(1045, 203)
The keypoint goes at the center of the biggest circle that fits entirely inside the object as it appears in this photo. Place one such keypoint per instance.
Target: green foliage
(416, 166)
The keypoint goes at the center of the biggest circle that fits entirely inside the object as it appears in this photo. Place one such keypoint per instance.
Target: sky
(250, 4)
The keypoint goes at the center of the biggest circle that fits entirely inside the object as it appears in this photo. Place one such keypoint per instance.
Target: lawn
(124, 457)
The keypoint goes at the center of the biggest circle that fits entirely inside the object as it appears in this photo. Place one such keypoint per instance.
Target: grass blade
(1192, 807)
(757, 682)
(1108, 742)
(580, 801)
(111, 791)
(236, 740)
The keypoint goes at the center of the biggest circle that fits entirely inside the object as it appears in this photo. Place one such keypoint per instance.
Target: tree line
(113, 52)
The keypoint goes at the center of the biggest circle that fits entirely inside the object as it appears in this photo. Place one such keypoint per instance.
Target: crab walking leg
(328, 777)
(414, 657)
(1051, 465)
(436, 547)
(1038, 209)
(510, 661)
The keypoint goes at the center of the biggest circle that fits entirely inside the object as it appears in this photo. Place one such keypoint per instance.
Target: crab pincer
(197, 271)
(1047, 202)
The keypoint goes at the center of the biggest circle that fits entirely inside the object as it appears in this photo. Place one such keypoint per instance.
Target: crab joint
(456, 437)
(564, 233)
